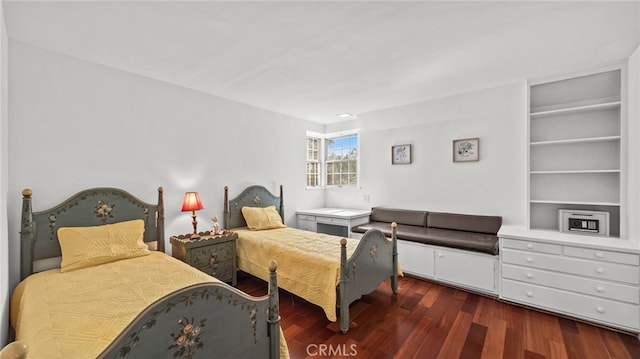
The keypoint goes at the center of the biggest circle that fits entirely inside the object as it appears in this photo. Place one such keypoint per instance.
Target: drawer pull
(600, 270)
(529, 260)
(529, 293)
(600, 289)
(529, 246)
(529, 275)
(440, 255)
(599, 255)
(599, 309)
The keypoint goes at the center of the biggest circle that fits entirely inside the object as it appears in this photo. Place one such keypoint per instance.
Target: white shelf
(581, 203)
(576, 109)
(575, 148)
(576, 140)
(573, 172)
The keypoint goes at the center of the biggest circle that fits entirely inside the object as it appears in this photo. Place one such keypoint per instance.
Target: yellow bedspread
(88, 308)
(308, 262)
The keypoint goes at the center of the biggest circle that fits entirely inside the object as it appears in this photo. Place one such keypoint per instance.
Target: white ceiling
(313, 60)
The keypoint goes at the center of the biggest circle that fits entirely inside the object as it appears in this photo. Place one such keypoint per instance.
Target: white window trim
(320, 160)
(323, 158)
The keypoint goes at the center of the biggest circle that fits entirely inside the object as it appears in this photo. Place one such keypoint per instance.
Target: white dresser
(591, 278)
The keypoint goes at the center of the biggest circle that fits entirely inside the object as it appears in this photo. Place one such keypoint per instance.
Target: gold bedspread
(89, 313)
(308, 262)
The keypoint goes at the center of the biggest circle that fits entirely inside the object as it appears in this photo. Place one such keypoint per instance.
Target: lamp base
(195, 234)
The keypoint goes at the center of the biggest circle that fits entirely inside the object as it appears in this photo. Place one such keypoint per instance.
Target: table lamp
(192, 203)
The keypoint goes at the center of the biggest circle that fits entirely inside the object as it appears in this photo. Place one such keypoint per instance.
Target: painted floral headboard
(91, 207)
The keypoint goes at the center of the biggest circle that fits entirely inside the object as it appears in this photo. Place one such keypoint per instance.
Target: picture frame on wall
(466, 150)
(401, 154)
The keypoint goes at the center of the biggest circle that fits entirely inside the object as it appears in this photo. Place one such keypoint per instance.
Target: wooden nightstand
(214, 255)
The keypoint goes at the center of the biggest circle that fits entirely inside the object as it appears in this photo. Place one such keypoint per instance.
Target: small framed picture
(401, 154)
(466, 149)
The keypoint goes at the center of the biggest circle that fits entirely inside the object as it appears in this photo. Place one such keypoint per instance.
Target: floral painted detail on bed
(244, 305)
(187, 339)
(373, 252)
(104, 211)
(52, 226)
(256, 199)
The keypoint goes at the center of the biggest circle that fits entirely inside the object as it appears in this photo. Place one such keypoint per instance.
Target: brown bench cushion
(400, 216)
(471, 241)
(464, 222)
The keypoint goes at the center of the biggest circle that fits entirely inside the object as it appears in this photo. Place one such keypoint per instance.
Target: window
(313, 162)
(332, 159)
(342, 160)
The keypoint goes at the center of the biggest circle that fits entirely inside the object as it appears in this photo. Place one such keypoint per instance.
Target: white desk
(336, 221)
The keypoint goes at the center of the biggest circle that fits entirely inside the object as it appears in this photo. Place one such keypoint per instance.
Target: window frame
(317, 162)
(324, 137)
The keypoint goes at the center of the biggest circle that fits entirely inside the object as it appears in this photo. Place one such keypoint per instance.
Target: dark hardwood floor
(428, 320)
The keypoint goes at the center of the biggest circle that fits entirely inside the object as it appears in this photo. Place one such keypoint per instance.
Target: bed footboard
(374, 260)
(204, 320)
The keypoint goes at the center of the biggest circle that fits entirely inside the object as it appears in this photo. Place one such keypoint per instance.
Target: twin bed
(325, 270)
(109, 296)
(112, 297)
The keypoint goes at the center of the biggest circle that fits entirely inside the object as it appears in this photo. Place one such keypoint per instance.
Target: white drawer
(307, 225)
(467, 269)
(416, 258)
(532, 246)
(336, 221)
(587, 286)
(600, 270)
(602, 310)
(608, 256)
(305, 217)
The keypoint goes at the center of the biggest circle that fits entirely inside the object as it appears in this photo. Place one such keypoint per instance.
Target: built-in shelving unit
(574, 148)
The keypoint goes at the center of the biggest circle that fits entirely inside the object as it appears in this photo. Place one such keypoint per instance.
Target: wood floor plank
(484, 312)
(435, 338)
(513, 344)
(533, 355)
(494, 340)
(573, 345)
(404, 329)
(534, 338)
(556, 349)
(470, 304)
(431, 295)
(429, 320)
(632, 344)
(614, 344)
(474, 344)
(593, 347)
(454, 342)
(416, 339)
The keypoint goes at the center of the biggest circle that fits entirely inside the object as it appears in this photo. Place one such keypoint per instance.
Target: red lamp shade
(191, 202)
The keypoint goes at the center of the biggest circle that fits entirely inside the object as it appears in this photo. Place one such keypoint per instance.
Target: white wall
(4, 153)
(75, 125)
(495, 185)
